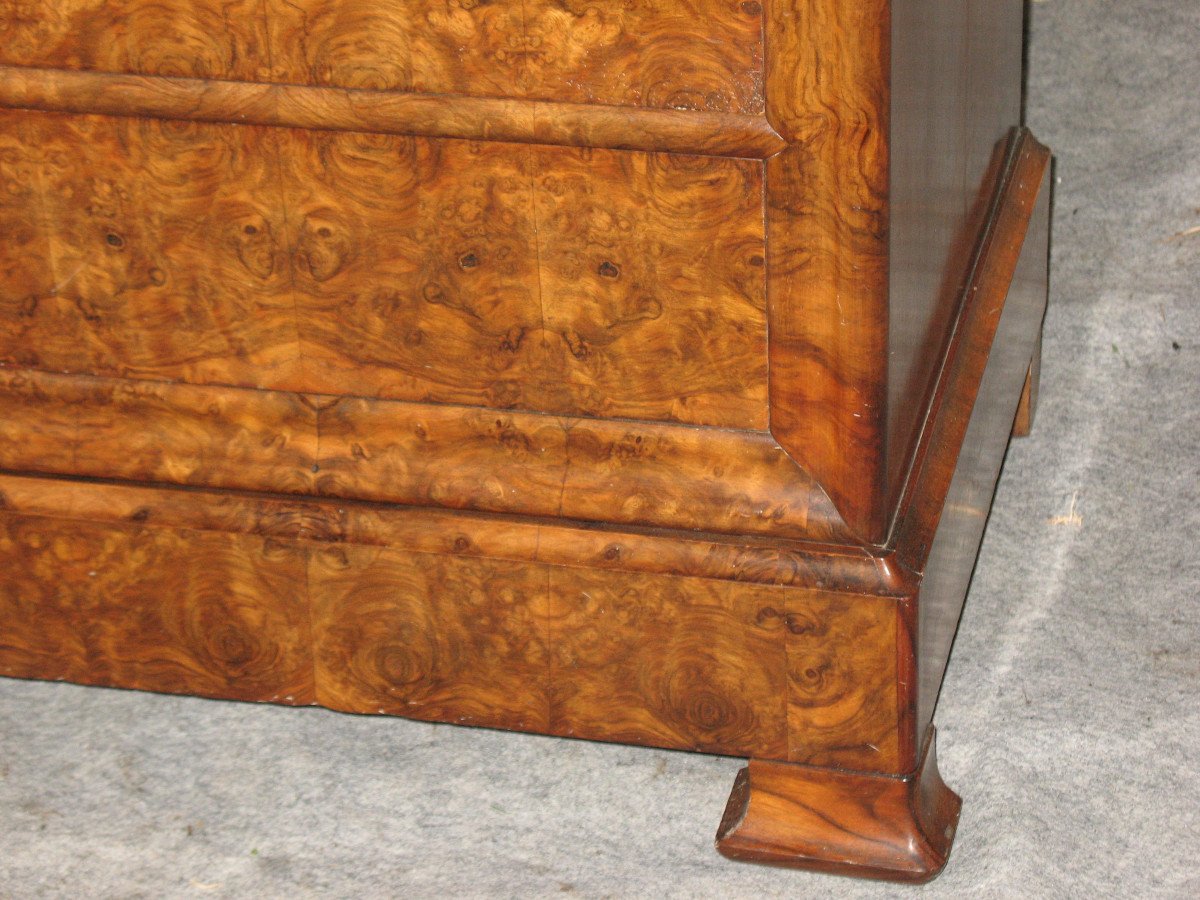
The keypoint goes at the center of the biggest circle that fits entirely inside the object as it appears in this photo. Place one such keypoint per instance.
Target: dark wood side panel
(952, 557)
(956, 93)
(946, 503)
(214, 614)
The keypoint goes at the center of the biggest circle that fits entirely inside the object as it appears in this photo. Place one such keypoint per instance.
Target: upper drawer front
(670, 54)
(576, 282)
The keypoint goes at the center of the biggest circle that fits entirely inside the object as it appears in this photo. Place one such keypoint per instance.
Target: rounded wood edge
(452, 116)
(842, 823)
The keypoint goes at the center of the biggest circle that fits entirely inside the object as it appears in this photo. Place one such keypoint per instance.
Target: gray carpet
(1070, 720)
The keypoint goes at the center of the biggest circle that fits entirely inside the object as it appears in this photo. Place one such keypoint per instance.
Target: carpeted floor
(1070, 719)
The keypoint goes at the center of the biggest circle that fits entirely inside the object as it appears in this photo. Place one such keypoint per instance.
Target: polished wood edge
(936, 455)
(747, 559)
(961, 447)
(390, 112)
(843, 823)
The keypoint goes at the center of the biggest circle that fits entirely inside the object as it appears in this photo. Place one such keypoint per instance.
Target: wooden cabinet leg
(846, 823)
(1023, 424)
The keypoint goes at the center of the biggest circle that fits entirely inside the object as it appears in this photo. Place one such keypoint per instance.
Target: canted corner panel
(591, 283)
(827, 233)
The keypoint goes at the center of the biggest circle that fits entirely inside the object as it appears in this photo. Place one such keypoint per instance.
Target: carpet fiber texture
(1070, 718)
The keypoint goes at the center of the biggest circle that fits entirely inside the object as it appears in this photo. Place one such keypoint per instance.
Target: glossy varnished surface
(634, 372)
(658, 54)
(827, 225)
(975, 407)
(656, 659)
(597, 470)
(219, 615)
(898, 829)
(756, 560)
(353, 264)
(505, 119)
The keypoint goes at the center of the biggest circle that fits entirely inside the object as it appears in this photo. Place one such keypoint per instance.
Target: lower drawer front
(668, 661)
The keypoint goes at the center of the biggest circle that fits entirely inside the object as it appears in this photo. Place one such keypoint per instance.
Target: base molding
(844, 823)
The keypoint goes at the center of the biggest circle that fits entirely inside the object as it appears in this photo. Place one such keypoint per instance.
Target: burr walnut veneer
(626, 370)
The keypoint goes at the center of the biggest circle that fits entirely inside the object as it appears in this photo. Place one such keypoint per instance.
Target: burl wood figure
(633, 371)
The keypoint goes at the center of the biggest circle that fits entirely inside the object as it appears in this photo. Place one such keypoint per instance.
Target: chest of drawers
(634, 371)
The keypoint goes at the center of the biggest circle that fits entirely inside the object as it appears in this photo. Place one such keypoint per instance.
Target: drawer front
(670, 54)
(576, 282)
(220, 610)
(215, 614)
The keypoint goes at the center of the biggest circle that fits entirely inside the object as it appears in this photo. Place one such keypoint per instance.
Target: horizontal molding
(390, 112)
(648, 474)
(314, 520)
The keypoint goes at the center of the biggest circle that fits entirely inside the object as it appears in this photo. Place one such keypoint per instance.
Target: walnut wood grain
(24, 275)
(452, 457)
(444, 638)
(195, 38)
(150, 431)
(214, 614)
(647, 54)
(163, 252)
(635, 372)
(592, 469)
(756, 560)
(656, 55)
(844, 823)
(514, 120)
(452, 635)
(237, 256)
(686, 663)
(827, 230)
(652, 286)
(653, 55)
(409, 257)
(842, 682)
